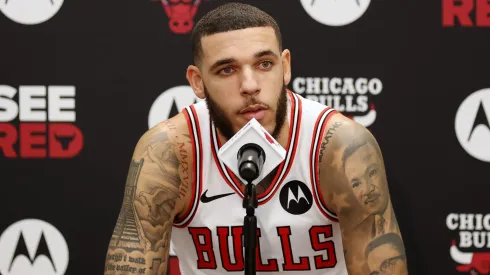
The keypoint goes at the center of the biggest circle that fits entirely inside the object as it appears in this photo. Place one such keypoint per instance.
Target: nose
(250, 84)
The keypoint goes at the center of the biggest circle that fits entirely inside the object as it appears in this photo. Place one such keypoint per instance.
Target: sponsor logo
(296, 198)
(30, 12)
(354, 97)
(472, 125)
(170, 103)
(206, 199)
(39, 122)
(472, 252)
(33, 247)
(334, 12)
(466, 13)
(180, 14)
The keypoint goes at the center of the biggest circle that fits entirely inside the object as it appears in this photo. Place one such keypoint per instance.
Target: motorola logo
(33, 247)
(472, 125)
(30, 12)
(334, 12)
(296, 198)
(170, 103)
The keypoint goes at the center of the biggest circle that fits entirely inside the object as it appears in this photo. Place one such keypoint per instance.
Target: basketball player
(178, 190)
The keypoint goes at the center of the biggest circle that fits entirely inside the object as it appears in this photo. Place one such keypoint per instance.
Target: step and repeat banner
(81, 81)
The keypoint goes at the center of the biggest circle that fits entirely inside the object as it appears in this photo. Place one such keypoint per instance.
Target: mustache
(251, 102)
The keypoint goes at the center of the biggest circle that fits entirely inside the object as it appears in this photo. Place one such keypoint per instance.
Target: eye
(226, 71)
(266, 64)
(355, 183)
(373, 173)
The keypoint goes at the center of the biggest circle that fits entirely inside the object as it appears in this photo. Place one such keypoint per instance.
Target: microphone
(245, 153)
(251, 159)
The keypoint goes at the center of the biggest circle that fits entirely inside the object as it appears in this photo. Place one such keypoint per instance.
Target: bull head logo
(180, 14)
(479, 261)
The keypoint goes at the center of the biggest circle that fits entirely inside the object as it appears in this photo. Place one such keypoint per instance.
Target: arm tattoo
(141, 239)
(328, 135)
(373, 241)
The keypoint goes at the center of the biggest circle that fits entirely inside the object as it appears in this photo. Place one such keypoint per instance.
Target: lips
(372, 198)
(255, 111)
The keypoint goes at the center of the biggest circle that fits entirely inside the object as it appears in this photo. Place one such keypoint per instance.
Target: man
(376, 253)
(366, 176)
(178, 189)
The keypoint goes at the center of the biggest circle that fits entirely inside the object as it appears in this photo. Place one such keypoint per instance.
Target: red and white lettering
(223, 233)
(271, 263)
(32, 136)
(206, 247)
(328, 246)
(289, 264)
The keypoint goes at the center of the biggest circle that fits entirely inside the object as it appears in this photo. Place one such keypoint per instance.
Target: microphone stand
(250, 228)
(250, 158)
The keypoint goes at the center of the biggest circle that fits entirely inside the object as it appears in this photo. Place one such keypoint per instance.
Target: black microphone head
(248, 171)
(251, 159)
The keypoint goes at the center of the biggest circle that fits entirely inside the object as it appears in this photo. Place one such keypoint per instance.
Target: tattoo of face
(386, 255)
(328, 135)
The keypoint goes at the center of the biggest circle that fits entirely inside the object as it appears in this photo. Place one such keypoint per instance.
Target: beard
(224, 125)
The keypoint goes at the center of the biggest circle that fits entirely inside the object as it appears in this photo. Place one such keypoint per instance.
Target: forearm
(140, 242)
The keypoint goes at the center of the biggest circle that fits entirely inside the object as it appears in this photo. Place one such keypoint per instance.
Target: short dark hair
(230, 17)
(357, 143)
(391, 238)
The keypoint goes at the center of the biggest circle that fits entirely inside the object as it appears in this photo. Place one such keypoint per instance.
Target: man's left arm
(354, 185)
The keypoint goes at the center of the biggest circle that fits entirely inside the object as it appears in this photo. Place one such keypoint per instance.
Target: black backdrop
(119, 56)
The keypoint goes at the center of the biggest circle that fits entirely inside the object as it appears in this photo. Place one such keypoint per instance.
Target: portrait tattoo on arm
(361, 199)
(141, 238)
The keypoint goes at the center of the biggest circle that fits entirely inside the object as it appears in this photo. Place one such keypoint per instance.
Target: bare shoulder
(166, 150)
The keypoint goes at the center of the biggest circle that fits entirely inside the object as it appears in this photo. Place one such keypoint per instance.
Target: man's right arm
(141, 239)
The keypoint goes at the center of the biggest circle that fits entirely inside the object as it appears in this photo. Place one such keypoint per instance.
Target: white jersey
(297, 234)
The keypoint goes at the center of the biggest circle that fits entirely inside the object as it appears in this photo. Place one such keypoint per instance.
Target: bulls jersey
(296, 233)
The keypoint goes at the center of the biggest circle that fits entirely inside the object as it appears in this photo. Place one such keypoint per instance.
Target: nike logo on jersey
(206, 199)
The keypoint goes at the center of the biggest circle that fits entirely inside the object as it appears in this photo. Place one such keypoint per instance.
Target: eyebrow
(225, 61)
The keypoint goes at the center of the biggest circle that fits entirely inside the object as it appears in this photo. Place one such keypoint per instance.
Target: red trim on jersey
(197, 168)
(234, 183)
(314, 157)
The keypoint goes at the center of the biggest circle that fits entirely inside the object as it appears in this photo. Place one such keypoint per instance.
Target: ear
(193, 75)
(286, 65)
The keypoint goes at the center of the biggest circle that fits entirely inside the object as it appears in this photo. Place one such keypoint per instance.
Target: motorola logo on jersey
(354, 97)
(472, 125)
(296, 198)
(170, 103)
(470, 248)
(335, 12)
(30, 12)
(38, 122)
(466, 13)
(33, 247)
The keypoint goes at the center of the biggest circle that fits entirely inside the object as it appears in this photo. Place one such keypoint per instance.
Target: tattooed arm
(153, 198)
(353, 182)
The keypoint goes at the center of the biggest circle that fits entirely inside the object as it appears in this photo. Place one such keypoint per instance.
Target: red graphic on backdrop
(180, 14)
(471, 261)
(460, 12)
(32, 128)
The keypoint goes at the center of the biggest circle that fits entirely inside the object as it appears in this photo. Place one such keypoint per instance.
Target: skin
(256, 71)
(378, 257)
(356, 189)
(362, 170)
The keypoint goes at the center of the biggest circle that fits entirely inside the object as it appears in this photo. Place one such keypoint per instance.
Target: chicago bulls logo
(180, 14)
